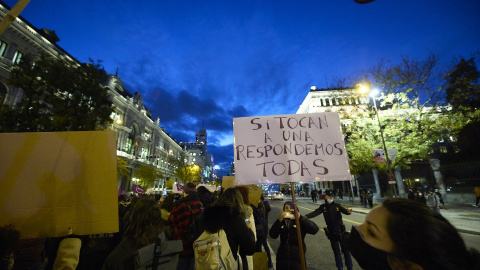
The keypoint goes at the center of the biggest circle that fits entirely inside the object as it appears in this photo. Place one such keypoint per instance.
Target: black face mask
(368, 257)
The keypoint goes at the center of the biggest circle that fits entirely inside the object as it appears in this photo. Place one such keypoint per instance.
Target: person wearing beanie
(180, 218)
(189, 188)
(288, 253)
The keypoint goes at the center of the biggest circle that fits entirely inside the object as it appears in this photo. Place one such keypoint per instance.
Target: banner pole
(297, 222)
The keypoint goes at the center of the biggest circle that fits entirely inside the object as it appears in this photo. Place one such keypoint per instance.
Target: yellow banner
(254, 191)
(53, 181)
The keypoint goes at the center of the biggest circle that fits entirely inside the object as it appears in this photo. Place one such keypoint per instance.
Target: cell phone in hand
(289, 215)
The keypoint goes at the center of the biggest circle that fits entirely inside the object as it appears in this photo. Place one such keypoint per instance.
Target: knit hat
(290, 203)
(189, 188)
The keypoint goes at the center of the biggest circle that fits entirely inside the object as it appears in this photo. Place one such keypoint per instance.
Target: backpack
(163, 252)
(196, 226)
(212, 251)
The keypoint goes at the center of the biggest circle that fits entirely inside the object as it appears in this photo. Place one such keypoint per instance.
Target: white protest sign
(289, 148)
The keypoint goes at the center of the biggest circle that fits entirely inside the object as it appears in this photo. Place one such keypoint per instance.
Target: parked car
(276, 196)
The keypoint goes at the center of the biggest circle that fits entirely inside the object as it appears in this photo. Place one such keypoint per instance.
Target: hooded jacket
(231, 221)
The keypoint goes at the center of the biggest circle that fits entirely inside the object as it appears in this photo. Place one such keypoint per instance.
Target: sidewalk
(464, 217)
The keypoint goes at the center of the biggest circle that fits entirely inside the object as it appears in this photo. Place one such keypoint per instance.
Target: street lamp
(373, 93)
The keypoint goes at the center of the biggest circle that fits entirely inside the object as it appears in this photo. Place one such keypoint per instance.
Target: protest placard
(254, 191)
(289, 148)
(56, 180)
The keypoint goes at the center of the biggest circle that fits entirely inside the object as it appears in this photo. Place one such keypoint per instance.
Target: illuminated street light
(373, 93)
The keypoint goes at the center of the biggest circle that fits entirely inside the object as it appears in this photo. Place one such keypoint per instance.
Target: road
(319, 254)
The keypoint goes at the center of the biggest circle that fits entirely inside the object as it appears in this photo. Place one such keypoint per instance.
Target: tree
(170, 184)
(412, 119)
(122, 170)
(147, 175)
(188, 173)
(463, 90)
(183, 171)
(463, 94)
(58, 95)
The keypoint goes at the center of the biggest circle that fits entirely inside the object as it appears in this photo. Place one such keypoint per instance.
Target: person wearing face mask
(288, 253)
(335, 231)
(384, 240)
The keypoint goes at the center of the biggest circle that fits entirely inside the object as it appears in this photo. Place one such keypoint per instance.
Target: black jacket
(232, 222)
(288, 254)
(332, 213)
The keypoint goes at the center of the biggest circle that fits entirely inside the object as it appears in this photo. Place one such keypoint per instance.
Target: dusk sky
(198, 64)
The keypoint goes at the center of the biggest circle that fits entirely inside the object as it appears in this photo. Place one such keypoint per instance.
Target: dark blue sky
(198, 63)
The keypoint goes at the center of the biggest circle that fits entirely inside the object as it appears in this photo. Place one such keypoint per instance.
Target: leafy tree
(183, 171)
(188, 173)
(463, 90)
(463, 93)
(58, 95)
(411, 119)
(147, 175)
(122, 170)
(169, 184)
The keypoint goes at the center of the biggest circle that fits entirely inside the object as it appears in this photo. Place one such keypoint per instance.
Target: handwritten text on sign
(289, 148)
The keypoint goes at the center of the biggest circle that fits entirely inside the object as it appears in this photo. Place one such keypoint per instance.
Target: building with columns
(140, 140)
(345, 101)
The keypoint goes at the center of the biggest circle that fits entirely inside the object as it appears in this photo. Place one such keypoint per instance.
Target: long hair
(233, 198)
(168, 202)
(423, 236)
(144, 221)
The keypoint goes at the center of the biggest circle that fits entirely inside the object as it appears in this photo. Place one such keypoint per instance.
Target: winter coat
(231, 221)
(288, 254)
(180, 218)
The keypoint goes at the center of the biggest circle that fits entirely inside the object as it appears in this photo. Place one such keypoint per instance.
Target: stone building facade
(140, 140)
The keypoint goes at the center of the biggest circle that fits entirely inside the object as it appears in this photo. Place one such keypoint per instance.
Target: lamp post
(390, 176)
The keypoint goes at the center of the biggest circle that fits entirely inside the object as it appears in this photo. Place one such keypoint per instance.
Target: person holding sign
(288, 254)
(335, 231)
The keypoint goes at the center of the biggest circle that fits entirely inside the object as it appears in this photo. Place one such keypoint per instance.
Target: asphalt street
(319, 254)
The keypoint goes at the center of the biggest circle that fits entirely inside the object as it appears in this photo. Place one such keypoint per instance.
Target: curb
(368, 209)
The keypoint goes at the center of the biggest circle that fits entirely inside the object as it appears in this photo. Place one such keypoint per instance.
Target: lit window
(17, 57)
(3, 47)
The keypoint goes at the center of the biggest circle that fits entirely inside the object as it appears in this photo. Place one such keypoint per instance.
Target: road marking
(305, 208)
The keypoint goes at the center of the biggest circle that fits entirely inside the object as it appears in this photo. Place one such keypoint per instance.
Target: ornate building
(140, 140)
(344, 101)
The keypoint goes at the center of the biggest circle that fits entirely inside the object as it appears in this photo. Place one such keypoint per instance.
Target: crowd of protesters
(142, 219)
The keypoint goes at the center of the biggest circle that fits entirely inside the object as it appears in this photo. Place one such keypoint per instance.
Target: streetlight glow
(365, 88)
